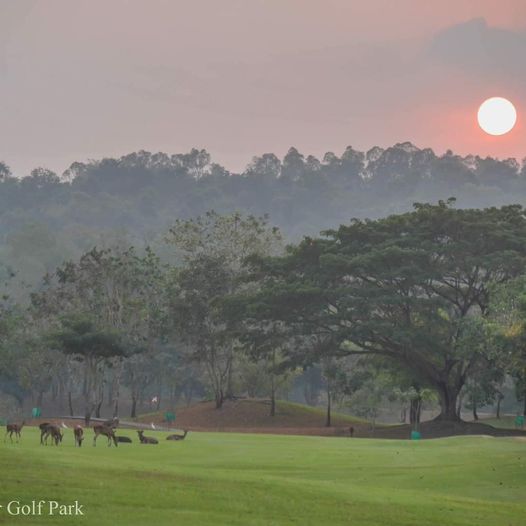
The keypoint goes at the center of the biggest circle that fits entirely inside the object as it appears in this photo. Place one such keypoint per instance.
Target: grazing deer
(55, 433)
(43, 428)
(48, 429)
(146, 440)
(14, 428)
(128, 440)
(78, 432)
(107, 431)
(177, 437)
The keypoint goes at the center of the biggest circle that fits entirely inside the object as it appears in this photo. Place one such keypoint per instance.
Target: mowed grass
(243, 479)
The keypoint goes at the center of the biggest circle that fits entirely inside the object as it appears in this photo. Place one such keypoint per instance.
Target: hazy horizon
(96, 79)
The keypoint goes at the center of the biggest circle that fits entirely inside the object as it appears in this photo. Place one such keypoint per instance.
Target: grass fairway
(243, 479)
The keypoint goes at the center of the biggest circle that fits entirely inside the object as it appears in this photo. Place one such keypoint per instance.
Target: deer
(14, 428)
(54, 432)
(146, 440)
(111, 422)
(43, 428)
(48, 429)
(78, 432)
(121, 438)
(177, 437)
(107, 431)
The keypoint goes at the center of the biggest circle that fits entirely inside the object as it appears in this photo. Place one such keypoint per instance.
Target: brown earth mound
(252, 416)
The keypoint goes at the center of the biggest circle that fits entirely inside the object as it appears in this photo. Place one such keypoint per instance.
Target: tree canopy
(406, 287)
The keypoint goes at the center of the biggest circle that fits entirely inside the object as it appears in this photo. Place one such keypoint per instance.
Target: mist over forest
(46, 218)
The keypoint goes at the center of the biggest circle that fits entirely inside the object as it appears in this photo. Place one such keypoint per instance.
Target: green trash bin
(169, 417)
(415, 435)
(519, 421)
(36, 412)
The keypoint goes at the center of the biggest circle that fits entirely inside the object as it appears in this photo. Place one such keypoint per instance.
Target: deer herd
(49, 430)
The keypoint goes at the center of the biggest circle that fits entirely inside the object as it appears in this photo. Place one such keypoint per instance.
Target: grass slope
(242, 479)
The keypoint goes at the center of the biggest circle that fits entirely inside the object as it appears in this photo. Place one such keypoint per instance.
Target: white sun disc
(497, 116)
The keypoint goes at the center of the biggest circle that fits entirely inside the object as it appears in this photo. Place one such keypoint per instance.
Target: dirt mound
(253, 416)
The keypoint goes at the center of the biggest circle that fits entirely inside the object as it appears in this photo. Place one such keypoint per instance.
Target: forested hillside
(46, 218)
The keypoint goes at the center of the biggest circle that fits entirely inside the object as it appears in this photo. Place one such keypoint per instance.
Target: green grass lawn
(242, 479)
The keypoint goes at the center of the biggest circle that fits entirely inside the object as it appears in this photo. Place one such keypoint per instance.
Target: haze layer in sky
(91, 78)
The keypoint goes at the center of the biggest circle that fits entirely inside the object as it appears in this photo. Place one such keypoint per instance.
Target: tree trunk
(88, 411)
(219, 399)
(229, 384)
(111, 386)
(448, 403)
(188, 394)
(158, 406)
(414, 411)
(133, 413)
(97, 409)
(459, 405)
(499, 400)
(171, 402)
(100, 400)
(70, 404)
(474, 404)
(87, 414)
(328, 419)
(116, 390)
(273, 385)
(60, 394)
(272, 397)
(89, 385)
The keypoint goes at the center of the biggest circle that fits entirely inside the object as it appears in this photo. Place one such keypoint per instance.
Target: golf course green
(248, 479)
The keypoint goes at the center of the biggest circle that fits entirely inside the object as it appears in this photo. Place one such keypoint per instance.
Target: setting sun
(497, 116)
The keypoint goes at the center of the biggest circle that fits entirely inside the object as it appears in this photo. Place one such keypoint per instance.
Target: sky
(86, 79)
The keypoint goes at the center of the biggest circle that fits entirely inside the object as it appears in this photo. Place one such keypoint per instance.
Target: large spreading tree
(406, 287)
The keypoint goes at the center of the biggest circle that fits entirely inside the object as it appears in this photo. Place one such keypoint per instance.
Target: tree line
(46, 217)
(427, 303)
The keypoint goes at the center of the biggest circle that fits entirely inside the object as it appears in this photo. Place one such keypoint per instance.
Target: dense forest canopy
(46, 218)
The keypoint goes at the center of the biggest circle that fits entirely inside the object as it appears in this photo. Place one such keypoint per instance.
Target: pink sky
(95, 78)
